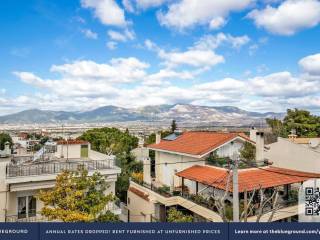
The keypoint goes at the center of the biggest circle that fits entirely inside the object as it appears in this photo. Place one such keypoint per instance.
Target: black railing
(56, 167)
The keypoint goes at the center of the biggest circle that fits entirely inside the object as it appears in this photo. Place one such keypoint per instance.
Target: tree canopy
(248, 151)
(302, 121)
(173, 126)
(112, 140)
(175, 215)
(4, 137)
(77, 197)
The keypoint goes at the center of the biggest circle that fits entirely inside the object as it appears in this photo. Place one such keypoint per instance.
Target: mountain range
(185, 113)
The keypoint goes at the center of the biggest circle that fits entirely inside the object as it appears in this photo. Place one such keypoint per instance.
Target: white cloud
(111, 45)
(128, 5)
(119, 70)
(188, 13)
(289, 17)
(215, 41)
(217, 23)
(89, 34)
(202, 54)
(88, 78)
(150, 3)
(121, 36)
(135, 5)
(311, 64)
(195, 58)
(107, 11)
(127, 82)
(283, 84)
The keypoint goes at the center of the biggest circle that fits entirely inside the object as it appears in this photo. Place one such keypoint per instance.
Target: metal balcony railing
(15, 218)
(56, 167)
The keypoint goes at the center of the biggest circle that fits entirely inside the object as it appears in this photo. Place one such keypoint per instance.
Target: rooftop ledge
(52, 168)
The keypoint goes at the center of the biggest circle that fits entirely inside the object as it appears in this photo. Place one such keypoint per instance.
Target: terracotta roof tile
(197, 143)
(249, 179)
(71, 142)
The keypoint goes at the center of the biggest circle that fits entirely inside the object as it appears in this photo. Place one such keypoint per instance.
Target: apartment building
(21, 177)
(184, 179)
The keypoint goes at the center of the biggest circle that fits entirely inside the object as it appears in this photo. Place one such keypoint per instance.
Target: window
(27, 207)
(84, 151)
(32, 206)
(22, 207)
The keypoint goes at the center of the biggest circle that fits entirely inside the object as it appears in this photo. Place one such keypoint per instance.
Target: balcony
(169, 198)
(37, 218)
(286, 203)
(55, 167)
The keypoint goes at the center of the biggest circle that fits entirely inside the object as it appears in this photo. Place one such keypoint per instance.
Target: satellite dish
(313, 143)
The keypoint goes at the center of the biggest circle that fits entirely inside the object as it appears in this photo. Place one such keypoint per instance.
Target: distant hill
(180, 112)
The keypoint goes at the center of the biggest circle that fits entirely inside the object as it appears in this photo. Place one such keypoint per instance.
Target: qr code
(312, 204)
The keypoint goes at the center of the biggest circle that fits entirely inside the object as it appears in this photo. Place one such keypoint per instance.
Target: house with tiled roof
(182, 150)
(186, 181)
(179, 151)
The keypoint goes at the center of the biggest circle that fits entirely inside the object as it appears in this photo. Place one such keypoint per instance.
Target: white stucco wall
(177, 162)
(286, 154)
(140, 210)
(70, 151)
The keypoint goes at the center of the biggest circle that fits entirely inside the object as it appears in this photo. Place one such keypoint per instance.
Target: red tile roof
(71, 142)
(197, 143)
(249, 179)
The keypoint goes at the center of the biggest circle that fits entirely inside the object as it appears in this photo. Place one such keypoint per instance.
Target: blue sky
(259, 55)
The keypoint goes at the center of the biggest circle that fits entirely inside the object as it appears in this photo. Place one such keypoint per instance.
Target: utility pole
(235, 187)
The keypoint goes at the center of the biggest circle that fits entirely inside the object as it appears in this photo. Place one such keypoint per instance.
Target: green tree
(43, 140)
(177, 216)
(173, 126)
(4, 137)
(302, 121)
(152, 137)
(128, 166)
(248, 152)
(77, 197)
(112, 140)
(276, 126)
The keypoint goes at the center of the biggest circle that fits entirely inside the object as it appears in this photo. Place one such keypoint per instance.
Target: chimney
(259, 148)
(158, 137)
(253, 134)
(147, 170)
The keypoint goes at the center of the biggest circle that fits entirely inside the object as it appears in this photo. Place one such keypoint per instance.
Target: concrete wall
(70, 151)
(140, 210)
(228, 149)
(140, 153)
(287, 154)
(165, 173)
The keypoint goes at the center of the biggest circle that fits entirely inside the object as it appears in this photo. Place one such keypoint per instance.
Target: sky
(259, 55)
